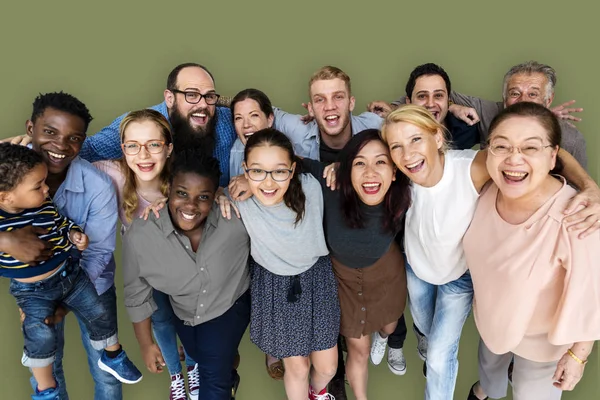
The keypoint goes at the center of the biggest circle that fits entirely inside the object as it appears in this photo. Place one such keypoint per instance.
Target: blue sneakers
(120, 367)
(48, 394)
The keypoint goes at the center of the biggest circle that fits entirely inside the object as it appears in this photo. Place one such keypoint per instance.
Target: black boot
(472, 394)
(337, 388)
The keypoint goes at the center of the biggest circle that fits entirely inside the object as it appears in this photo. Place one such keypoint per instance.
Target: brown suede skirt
(371, 297)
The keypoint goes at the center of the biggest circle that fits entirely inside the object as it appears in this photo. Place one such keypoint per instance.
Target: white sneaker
(396, 361)
(421, 345)
(378, 345)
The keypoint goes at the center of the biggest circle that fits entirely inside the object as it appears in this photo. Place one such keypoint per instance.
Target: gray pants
(530, 380)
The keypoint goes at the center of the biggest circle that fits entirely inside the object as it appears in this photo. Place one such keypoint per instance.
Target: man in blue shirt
(86, 196)
(190, 106)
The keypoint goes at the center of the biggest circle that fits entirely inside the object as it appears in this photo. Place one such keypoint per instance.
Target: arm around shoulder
(479, 172)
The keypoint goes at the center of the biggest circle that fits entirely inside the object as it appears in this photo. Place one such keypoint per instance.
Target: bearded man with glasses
(190, 105)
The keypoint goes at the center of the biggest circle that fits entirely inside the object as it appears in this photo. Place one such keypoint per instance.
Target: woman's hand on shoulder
(155, 207)
(239, 189)
(225, 204)
(329, 173)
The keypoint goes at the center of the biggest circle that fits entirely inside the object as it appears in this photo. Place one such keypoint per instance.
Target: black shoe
(425, 370)
(236, 384)
(337, 388)
(472, 394)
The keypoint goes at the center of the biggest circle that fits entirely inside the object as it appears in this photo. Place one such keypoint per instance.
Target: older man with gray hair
(534, 82)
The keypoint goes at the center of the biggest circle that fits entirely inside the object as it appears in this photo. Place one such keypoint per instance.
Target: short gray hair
(528, 68)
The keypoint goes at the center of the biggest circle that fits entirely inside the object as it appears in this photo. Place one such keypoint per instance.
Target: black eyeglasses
(278, 175)
(195, 97)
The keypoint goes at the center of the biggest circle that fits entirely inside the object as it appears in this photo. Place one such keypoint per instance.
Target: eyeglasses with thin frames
(502, 149)
(278, 175)
(195, 97)
(131, 147)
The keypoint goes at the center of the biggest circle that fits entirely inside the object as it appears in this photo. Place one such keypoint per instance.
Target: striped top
(46, 216)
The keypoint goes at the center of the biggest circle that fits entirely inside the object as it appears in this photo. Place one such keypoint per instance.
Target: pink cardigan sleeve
(577, 317)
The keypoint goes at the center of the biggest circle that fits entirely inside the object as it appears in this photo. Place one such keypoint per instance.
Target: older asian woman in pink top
(536, 284)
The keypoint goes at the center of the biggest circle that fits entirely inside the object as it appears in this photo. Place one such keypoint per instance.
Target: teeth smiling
(268, 191)
(371, 185)
(56, 155)
(248, 134)
(413, 165)
(331, 117)
(187, 216)
(515, 174)
(200, 115)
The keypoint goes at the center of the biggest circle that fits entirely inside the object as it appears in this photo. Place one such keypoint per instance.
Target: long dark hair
(294, 197)
(396, 200)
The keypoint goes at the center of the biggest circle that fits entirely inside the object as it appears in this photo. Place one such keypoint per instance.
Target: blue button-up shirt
(106, 144)
(87, 197)
(305, 138)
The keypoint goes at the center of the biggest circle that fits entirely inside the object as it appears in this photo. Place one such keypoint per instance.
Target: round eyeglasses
(131, 148)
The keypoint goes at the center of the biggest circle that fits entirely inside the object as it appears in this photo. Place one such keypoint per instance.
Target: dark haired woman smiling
(198, 258)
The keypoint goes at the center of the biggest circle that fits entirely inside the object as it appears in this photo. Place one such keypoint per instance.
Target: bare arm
(584, 209)
(150, 351)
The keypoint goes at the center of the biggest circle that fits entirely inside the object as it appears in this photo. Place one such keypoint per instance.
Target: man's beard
(187, 137)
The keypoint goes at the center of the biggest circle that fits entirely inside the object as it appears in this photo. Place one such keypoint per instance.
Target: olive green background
(115, 56)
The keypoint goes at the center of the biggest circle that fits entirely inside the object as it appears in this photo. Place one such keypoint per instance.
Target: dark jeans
(396, 339)
(106, 387)
(214, 345)
(72, 288)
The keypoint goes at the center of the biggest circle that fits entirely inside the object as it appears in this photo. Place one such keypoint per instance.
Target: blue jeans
(214, 344)
(440, 311)
(106, 387)
(163, 326)
(70, 287)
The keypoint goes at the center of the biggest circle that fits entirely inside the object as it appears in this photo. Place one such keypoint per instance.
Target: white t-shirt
(438, 218)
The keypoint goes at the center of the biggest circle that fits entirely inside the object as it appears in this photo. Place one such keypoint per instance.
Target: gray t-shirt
(275, 242)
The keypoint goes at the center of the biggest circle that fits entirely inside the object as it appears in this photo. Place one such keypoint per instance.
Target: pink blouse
(537, 286)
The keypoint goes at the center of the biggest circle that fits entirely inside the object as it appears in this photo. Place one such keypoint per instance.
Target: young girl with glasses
(295, 309)
(142, 177)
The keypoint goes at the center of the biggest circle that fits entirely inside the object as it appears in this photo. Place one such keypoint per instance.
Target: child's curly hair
(15, 162)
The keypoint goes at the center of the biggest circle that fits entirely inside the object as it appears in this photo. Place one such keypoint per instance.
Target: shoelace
(380, 345)
(194, 378)
(325, 396)
(178, 388)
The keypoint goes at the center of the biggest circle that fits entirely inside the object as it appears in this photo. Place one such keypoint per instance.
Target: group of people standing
(315, 232)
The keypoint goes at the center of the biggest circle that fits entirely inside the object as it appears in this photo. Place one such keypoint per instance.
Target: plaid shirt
(106, 144)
